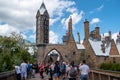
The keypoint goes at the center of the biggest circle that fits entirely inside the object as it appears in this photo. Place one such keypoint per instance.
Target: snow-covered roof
(96, 45)
(118, 47)
(80, 46)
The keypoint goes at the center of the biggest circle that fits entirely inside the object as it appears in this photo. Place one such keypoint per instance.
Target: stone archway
(52, 56)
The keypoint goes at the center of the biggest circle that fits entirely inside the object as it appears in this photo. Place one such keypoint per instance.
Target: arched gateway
(68, 50)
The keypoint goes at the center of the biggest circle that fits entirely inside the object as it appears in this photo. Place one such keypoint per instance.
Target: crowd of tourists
(53, 71)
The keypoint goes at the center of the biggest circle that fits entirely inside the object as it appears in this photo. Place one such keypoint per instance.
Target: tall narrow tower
(70, 26)
(42, 25)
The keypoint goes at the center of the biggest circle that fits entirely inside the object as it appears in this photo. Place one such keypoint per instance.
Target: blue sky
(19, 16)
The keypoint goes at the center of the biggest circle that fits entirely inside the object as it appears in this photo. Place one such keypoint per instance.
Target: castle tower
(86, 29)
(42, 25)
(42, 31)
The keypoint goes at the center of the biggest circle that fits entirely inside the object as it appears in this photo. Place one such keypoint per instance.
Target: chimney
(103, 46)
(110, 37)
(86, 29)
(97, 33)
(78, 38)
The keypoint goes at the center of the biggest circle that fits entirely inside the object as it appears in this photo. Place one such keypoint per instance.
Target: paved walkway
(37, 77)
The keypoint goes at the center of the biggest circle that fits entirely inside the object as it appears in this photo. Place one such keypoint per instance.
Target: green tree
(12, 51)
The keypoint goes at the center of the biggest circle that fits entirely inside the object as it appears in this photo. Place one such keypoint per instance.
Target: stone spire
(70, 26)
(42, 8)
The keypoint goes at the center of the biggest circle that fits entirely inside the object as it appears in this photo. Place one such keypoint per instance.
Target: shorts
(23, 74)
(56, 74)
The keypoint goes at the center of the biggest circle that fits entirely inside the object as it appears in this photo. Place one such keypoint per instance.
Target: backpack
(72, 72)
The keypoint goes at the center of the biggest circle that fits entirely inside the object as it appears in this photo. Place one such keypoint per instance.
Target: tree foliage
(12, 51)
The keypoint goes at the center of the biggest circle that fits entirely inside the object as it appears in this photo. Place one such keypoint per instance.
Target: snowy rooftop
(80, 46)
(96, 45)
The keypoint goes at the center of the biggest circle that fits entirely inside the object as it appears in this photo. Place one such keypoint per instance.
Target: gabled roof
(96, 45)
(42, 8)
(118, 47)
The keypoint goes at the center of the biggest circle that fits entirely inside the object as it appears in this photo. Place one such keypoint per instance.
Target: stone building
(96, 48)
(99, 49)
(69, 50)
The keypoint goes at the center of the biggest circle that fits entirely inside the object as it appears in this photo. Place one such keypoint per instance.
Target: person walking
(29, 70)
(18, 72)
(49, 73)
(41, 70)
(84, 70)
(72, 72)
(63, 70)
(23, 67)
(56, 70)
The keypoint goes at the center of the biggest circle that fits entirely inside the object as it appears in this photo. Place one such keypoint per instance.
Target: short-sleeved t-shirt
(84, 69)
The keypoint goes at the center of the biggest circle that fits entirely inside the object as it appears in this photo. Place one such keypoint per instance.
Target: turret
(70, 26)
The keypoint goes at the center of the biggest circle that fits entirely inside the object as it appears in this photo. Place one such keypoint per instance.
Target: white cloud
(72, 10)
(6, 30)
(76, 17)
(33, 36)
(20, 14)
(95, 20)
(100, 8)
(53, 37)
(24, 36)
(52, 21)
(96, 9)
(58, 7)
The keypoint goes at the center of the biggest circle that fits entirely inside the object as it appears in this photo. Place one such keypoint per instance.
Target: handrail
(8, 75)
(102, 74)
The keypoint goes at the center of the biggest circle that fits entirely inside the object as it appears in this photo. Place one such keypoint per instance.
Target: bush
(110, 66)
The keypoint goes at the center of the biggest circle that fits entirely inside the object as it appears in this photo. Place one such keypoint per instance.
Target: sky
(19, 16)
